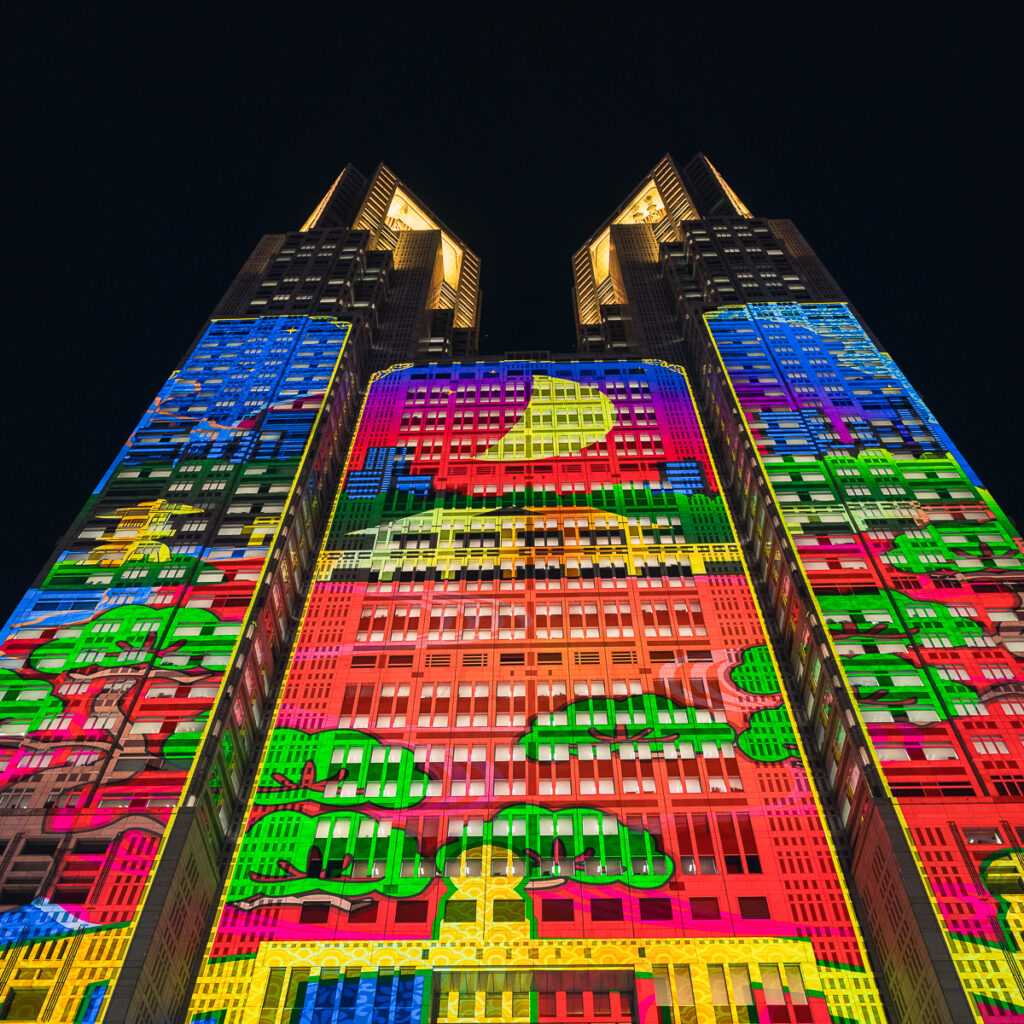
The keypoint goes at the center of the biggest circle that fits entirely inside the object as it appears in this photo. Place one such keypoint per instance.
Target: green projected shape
(343, 854)
(647, 718)
(338, 767)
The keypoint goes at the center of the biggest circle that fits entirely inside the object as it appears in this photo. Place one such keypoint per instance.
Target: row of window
(552, 910)
(556, 620)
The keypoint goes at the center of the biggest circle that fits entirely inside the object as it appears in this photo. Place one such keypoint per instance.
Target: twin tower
(676, 682)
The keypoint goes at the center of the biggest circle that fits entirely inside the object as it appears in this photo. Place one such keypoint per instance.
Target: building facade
(532, 759)
(141, 668)
(888, 575)
(675, 682)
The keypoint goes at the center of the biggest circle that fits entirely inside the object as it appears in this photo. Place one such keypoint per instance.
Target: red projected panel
(532, 719)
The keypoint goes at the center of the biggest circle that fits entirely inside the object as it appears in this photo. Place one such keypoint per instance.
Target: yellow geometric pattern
(699, 978)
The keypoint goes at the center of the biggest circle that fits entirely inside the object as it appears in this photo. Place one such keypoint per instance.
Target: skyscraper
(140, 669)
(677, 681)
(889, 577)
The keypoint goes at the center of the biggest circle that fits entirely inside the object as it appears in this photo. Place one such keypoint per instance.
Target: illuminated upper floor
(398, 221)
(661, 202)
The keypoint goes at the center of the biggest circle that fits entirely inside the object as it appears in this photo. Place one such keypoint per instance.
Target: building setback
(679, 681)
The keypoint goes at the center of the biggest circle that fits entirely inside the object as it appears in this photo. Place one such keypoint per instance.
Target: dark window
(606, 910)
(411, 912)
(556, 910)
(754, 907)
(40, 847)
(656, 908)
(71, 894)
(704, 908)
(24, 1003)
(509, 910)
(461, 911)
(363, 915)
(315, 913)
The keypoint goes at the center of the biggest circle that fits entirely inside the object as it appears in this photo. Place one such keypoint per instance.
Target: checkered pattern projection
(532, 760)
(112, 664)
(917, 575)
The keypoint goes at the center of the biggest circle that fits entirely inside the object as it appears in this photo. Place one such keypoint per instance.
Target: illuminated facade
(377, 684)
(140, 671)
(172, 597)
(890, 579)
(532, 760)
(373, 252)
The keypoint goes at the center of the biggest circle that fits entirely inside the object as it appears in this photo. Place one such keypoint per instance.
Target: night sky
(145, 158)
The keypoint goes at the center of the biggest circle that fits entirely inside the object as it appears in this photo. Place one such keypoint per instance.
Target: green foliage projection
(338, 767)
(182, 746)
(956, 556)
(139, 635)
(586, 844)
(756, 673)
(769, 736)
(344, 853)
(174, 571)
(656, 720)
(647, 718)
(25, 703)
(902, 681)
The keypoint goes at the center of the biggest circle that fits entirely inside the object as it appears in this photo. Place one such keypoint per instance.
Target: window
(315, 913)
(25, 1003)
(974, 836)
(990, 745)
(655, 908)
(605, 910)
(411, 912)
(366, 914)
(753, 907)
(460, 911)
(704, 908)
(508, 910)
(556, 910)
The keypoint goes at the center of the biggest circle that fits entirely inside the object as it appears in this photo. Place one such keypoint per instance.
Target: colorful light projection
(532, 759)
(111, 667)
(918, 574)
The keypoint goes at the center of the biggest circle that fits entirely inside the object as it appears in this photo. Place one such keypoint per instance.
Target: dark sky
(144, 159)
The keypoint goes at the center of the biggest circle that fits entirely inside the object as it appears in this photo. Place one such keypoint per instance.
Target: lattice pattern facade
(916, 574)
(534, 703)
(171, 597)
(532, 758)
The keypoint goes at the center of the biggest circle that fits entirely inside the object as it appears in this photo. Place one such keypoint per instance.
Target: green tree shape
(647, 718)
(575, 838)
(287, 855)
(943, 620)
(929, 694)
(769, 736)
(910, 554)
(353, 767)
(182, 746)
(137, 635)
(75, 575)
(756, 672)
(908, 698)
(27, 703)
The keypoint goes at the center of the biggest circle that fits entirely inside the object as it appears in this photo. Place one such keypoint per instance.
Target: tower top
(664, 198)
